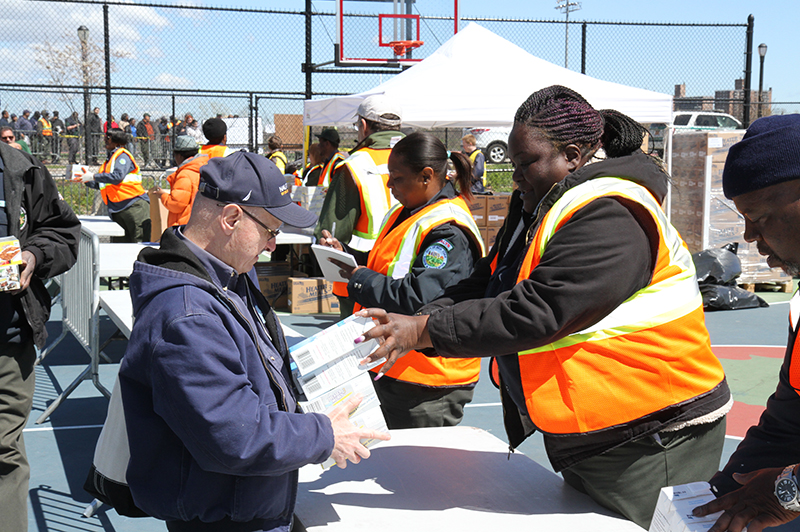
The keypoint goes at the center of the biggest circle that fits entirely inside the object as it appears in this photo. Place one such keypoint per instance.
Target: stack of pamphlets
(327, 370)
(674, 509)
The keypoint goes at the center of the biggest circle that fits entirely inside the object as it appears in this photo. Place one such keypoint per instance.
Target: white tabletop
(443, 479)
(116, 260)
(293, 238)
(101, 225)
(118, 306)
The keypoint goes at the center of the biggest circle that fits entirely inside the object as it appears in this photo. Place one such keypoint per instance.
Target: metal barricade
(80, 305)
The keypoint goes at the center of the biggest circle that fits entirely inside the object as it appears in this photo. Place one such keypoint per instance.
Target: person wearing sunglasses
(215, 433)
(7, 136)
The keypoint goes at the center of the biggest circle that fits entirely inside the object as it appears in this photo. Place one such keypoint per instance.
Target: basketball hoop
(400, 47)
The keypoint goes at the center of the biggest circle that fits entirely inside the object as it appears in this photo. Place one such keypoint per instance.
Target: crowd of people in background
(47, 136)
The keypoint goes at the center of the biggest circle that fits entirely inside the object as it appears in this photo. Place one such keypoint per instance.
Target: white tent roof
(441, 90)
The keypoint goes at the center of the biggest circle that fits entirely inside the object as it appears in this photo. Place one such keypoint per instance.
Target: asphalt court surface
(750, 344)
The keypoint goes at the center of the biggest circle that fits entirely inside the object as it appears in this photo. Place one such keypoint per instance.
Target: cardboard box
(497, 209)
(490, 237)
(158, 219)
(698, 208)
(311, 295)
(273, 280)
(478, 210)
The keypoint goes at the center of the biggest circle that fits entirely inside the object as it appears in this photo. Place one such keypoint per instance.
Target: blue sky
(189, 49)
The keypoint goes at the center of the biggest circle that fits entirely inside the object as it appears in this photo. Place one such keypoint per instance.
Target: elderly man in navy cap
(215, 434)
(758, 487)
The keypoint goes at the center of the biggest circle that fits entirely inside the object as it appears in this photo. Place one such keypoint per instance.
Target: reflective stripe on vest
(651, 352)
(370, 173)
(393, 254)
(794, 362)
(472, 157)
(215, 150)
(328, 169)
(129, 187)
(47, 129)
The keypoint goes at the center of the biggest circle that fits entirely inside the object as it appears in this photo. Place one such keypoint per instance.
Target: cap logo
(248, 196)
(284, 189)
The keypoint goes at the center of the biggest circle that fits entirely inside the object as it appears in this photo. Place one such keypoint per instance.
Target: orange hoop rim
(400, 47)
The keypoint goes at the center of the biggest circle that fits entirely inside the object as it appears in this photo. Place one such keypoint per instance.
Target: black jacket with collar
(45, 226)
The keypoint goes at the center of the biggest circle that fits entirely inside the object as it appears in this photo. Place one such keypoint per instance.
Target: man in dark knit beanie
(759, 486)
(216, 131)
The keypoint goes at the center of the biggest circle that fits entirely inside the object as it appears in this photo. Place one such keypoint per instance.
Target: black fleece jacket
(603, 255)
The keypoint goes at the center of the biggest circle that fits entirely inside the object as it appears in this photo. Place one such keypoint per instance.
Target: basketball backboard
(383, 33)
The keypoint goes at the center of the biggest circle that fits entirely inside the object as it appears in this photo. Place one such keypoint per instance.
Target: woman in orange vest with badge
(120, 183)
(427, 242)
(596, 322)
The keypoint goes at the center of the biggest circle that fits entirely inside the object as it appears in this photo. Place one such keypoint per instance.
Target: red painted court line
(745, 352)
(743, 416)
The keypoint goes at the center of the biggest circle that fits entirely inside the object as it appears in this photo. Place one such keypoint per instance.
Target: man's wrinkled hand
(28, 265)
(347, 437)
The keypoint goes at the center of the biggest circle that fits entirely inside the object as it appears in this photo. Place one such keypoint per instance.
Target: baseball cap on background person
(378, 108)
(215, 129)
(251, 180)
(330, 134)
(185, 143)
(768, 154)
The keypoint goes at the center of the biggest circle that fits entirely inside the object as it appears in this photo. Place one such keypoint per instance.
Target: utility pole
(565, 6)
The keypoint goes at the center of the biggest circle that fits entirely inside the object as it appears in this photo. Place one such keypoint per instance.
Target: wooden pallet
(787, 287)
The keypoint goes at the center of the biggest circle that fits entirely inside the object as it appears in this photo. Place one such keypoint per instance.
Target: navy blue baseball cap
(252, 180)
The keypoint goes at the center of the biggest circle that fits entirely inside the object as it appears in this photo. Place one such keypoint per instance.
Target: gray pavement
(60, 450)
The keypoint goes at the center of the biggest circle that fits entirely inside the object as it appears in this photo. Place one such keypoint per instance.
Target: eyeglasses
(10, 137)
(273, 233)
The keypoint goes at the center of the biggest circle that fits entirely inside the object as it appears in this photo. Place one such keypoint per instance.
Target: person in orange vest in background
(120, 183)
(215, 131)
(183, 182)
(428, 241)
(597, 326)
(44, 136)
(330, 156)
(358, 198)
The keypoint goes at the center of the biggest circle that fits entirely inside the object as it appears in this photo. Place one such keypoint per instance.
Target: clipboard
(329, 270)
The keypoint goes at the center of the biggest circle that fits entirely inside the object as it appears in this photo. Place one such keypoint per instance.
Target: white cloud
(153, 52)
(167, 80)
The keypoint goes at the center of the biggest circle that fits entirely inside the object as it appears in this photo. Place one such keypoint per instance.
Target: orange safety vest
(131, 185)
(215, 150)
(47, 129)
(651, 352)
(327, 171)
(794, 362)
(393, 254)
(370, 172)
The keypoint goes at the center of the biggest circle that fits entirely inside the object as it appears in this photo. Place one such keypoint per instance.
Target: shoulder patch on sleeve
(435, 256)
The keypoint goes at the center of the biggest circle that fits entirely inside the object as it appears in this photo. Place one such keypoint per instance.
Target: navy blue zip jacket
(212, 422)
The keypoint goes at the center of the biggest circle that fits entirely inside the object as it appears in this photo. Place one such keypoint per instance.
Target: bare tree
(63, 60)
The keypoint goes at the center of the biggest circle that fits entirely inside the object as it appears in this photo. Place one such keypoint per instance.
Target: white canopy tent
(440, 91)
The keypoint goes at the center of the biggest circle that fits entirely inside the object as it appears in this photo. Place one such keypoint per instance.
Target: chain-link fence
(254, 67)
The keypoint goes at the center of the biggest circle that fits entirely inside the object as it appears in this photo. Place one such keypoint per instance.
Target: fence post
(256, 124)
(108, 64)
(308, 67)
(748, 64)
(583, 48)
(250, 119)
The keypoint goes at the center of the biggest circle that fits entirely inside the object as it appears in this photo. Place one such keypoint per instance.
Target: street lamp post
(83, 36)
(565, 6)
(762, 52)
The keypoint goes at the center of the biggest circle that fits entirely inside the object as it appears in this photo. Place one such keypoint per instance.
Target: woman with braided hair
(591, 310)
